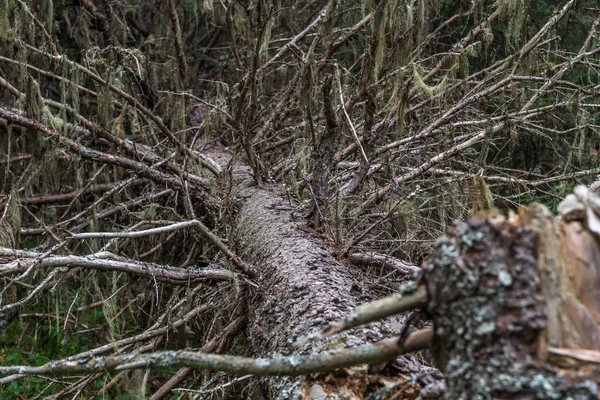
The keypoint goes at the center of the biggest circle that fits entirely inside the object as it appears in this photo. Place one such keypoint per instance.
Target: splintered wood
(569, 262)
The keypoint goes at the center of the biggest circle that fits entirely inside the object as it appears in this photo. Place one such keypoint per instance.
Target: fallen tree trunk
(302, 287)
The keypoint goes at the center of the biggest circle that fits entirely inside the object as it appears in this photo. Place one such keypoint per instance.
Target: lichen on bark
(485, 300)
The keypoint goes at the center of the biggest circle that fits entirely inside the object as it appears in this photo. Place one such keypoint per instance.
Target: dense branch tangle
(384, 120)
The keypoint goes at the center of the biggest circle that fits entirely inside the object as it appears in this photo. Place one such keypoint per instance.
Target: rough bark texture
(302, 288)
(488, 312)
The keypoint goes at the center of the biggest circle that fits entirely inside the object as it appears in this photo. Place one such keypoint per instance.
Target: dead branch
(393, 263)
(101, 262)
(384, 350)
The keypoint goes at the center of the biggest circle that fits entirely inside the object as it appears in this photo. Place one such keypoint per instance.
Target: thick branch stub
(485, 301)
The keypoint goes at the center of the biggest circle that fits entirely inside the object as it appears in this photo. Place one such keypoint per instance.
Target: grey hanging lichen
(488, 37)
(428, 90)
(5, 33)
(72, 80)
(24, 25)
(21, 56)
(419, 20)
(266, 38)
(329, 22)
(582, 121)
(35, 109)
(52, 120)
(403, 96)
(34, 104)
(379, 25)
(513, 13)
(10, 224)
(404, 24)
(478, 194)
(208, 7)
(104, 105)
(49, 16)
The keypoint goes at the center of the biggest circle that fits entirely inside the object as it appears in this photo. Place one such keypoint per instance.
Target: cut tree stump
(500, 291)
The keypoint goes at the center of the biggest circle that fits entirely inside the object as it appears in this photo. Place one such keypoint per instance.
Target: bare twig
(105, 263)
